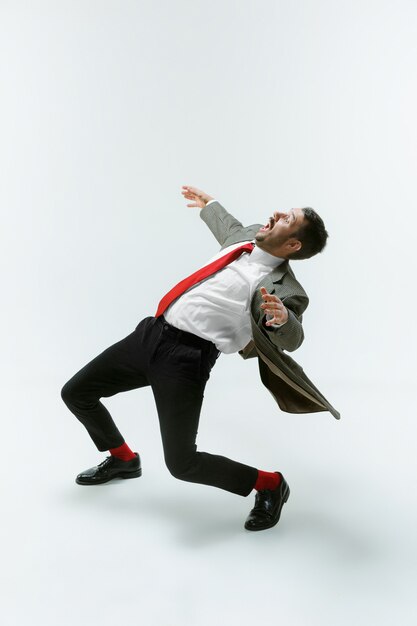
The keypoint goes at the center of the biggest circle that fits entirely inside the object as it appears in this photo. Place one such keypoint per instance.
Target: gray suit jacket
(292, 389)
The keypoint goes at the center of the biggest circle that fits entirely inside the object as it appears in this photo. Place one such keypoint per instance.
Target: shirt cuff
(210, 201)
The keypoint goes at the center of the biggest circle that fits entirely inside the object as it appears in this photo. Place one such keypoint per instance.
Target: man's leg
(178, 375)
(121, 367)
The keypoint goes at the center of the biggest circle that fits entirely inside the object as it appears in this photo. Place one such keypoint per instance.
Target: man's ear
(293, 245)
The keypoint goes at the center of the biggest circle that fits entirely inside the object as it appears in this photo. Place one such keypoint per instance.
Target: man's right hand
(200, 198)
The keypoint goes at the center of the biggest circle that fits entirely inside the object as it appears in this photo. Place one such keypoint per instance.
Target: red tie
(200, 274)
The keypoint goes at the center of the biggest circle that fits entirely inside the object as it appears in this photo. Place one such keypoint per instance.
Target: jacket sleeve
(220, 222)
(290, 335)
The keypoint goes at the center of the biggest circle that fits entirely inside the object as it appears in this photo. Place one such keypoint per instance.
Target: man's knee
(182, 468)
(66, 393)
(69, 392)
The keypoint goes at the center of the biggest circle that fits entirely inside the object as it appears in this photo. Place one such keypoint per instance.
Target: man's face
(276, 237)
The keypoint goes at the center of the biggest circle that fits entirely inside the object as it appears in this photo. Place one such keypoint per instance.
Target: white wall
(108, 107)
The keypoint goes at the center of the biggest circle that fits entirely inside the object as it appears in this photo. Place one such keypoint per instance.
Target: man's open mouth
(269, 225)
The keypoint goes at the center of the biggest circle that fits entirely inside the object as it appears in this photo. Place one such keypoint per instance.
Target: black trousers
(176, 365)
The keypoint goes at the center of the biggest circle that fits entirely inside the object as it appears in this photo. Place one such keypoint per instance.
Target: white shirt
(218, 307)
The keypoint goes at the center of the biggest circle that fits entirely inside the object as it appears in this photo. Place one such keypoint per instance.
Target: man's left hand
(273, 306)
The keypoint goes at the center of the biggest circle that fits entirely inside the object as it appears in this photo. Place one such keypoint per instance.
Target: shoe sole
(275, 522)
(124, 475)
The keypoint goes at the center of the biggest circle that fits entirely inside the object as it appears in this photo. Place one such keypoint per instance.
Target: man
(246, 300)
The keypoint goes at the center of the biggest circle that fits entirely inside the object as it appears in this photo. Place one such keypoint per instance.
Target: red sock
(267, 480)
(123, 452)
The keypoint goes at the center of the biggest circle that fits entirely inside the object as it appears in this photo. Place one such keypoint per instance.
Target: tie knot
(249, 246)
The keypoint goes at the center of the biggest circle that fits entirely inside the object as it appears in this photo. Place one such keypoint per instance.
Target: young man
(247, 300)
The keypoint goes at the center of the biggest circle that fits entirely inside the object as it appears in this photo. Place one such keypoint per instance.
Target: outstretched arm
(220, 222)
(199, 198)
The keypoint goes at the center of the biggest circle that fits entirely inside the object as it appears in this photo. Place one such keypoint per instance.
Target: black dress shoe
(268, 505)
(111, 468)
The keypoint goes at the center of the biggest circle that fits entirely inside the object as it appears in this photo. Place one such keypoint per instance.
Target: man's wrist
(267, 318)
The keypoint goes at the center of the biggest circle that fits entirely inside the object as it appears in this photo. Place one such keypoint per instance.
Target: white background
(107, 108)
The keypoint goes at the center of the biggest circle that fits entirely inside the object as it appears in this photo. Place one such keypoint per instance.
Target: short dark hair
(312, 234)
